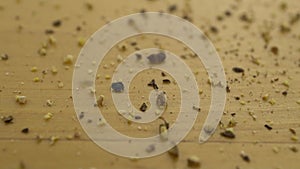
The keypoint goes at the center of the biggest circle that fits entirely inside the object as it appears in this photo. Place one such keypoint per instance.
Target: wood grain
(240, 42)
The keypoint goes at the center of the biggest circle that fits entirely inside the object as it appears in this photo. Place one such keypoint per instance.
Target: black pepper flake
(292, 130)
(294, 19)
(197, 108)
(237, 98)
(78, 28)
(174, 152)
(4, 56)
(166, 81)
(284, 93)
(163, 74)
(172, 8)
(274, 50)
(227, 89)
(138, 56)
(56, 23)
(294, 149)
(268, 127)
(219, 18)
(238, 70)
(8, 119)
(188, 18)
(25, 130)
(284, 29)
(228, 134)
(227, 13)
(49, 31)
(89, 6)
(165, 122)
(142, 11)
(245, 157)
(153, 84)
(81, 115)
(214, 29)
(143, 107)
(246, 18)
(133, 43)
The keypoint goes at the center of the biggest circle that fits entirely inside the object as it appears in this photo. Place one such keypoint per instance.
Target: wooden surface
(244, 37)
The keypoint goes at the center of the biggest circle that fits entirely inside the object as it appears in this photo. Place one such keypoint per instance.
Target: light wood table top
(260, 36)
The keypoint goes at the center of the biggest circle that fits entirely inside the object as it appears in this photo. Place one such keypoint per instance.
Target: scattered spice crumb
(81, 115)
(56, 23)
(36, 79)
(157, 58)
(101, 122)
(284, 93)
(38, 138)
(292, 130)
(214, 29)
(227, 89)
(4, 56)
(52, 40)
(81, 41)
(268, 127)
(53, 140)
(54, 70)
(172, 8)
(274, 50)
(150, 148)
(49, 31)
(238, 70)
(163, 132)
(48, 116)
(245, 157)
(174, 152)
(21, 99)
(197, 108)
(272, 101)
(294, 19)
(294, 138)
(25, 130)
(7, 119)
(60, 84)
(161, 100)
(286, 83)
(153, 84)
(22, 165)
(232, 123)
(89, 6)
(42, 51)
(117, 87)
(254, 117)
(242, 102)
(143, 107)
(68, 59)
(293, 149)
(34, 69)
(49, 103)
(246, 18)
(228, 134)
(265, 97)
(166, 81)
(275, 149)
(193, 161)
(100, 100)
(138, 56)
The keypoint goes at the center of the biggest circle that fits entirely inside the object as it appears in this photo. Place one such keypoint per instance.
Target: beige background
(239, 42)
